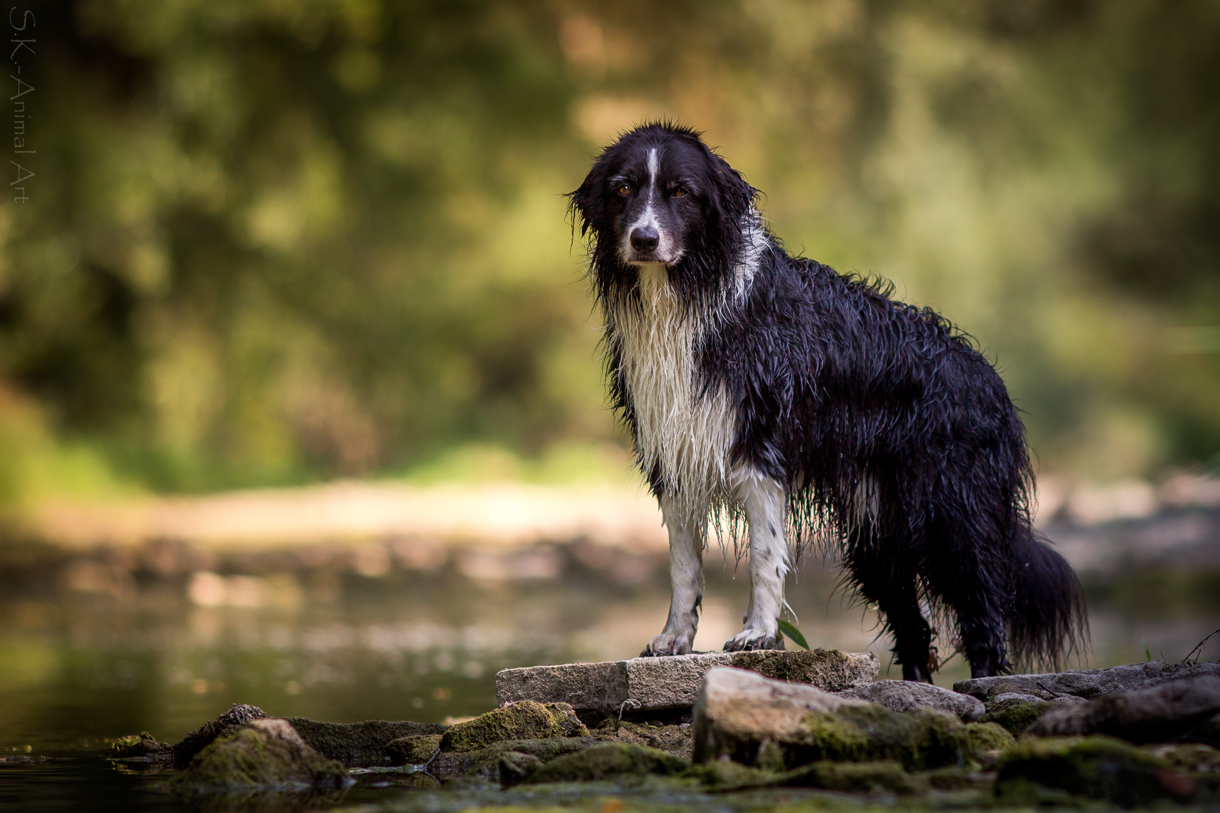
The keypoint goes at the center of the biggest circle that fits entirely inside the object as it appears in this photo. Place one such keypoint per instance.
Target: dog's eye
(679, 191)
(624, 189)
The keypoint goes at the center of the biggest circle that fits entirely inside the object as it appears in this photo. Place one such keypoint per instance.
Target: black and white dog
(770, 385)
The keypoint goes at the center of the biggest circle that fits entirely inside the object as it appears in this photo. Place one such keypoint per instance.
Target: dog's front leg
(686, 576)
(764, 504)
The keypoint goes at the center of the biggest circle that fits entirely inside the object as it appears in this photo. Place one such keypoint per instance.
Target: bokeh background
(273, 242)
(279, 244)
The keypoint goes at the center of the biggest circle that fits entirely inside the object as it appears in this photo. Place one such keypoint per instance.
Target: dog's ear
(587, 204)
(733, 196)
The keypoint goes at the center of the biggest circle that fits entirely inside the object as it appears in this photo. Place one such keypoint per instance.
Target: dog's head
(660, 195)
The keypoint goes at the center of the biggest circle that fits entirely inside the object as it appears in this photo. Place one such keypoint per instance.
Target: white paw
(750, 639)
(669, 643)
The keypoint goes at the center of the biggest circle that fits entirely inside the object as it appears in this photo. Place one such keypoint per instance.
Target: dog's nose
(645, 238)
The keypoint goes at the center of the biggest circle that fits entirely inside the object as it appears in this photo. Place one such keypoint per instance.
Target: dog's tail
(1047, 620)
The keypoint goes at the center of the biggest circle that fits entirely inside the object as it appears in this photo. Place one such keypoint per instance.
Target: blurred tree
(269, 242)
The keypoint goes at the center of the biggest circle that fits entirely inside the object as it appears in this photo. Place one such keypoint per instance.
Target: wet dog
(768, 386)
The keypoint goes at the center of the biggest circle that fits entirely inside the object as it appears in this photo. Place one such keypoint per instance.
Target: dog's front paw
(668, 643)
(750, 639)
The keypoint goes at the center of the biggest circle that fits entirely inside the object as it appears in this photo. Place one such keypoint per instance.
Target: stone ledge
(640, 686)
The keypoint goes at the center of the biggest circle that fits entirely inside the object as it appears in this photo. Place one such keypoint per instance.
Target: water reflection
(164, 638)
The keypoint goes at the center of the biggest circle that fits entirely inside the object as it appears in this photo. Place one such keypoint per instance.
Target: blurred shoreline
(498, 514)
(226, 549)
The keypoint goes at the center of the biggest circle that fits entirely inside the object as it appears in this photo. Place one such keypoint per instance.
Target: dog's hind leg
(970, 581)
(764, 504)
(888, 581)
(686, 537)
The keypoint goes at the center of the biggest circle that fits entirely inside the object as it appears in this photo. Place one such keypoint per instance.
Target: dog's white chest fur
(685, 430)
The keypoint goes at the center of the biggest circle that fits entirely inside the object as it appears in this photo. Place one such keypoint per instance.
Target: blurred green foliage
(272, 241)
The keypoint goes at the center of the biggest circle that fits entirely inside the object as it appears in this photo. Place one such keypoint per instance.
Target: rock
(989, 742)
(142, 747)
(1086, 683)
(904, 695)
(265, 753)
(1190, 757)
(358, 743)
(751, 718)
(827, 669)
(1207, 733)
(672, 739)
(1159, 714)
(1095, 767)
(641, 686)
(735, 707)
(724, 775)
(516, 721)
(1016, 713)
(516, 766)
(238, 715)
(414, 750)
(481, 763)
(606, 760)
(856, 777)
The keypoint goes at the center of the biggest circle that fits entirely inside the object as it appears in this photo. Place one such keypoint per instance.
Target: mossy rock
(1095, 767)
(516, 721)
(672, 739)
(142, 746)
(358, 743)
(1190, 756)
(515, 767)
(726, 775)
(607, 760)
(547, 749)
(414, 750)
(988, 742)
(264, 754)
(1018, 716)
(920, 739)
(955, 778)
(856, 777)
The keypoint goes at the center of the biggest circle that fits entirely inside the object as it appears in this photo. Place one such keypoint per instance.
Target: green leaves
(793, 633)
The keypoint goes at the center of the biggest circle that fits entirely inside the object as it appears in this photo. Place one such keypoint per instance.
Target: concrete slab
(641, 685)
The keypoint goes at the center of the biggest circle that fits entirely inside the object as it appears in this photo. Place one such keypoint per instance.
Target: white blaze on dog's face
(654, 195)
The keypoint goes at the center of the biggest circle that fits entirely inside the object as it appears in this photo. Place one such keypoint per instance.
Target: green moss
(1016, 717)
(254, 757)
(919, 739)
(832, 737)
(547, 749)
(723, 775)
(515, 767)
(1094, 767)
(607, 760)
(141, 746)
(414, 750)
(516, 721)
(856, 777)
(771, 757)
(988, 742)
(954, 778)
(355, 743)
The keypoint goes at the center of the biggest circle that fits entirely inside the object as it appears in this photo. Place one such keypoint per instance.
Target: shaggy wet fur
(740, 368)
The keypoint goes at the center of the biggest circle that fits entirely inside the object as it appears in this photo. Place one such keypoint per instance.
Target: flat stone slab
(1086, 683)
(609, 688)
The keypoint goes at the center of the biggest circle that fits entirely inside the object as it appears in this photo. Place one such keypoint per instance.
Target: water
(85, 660)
